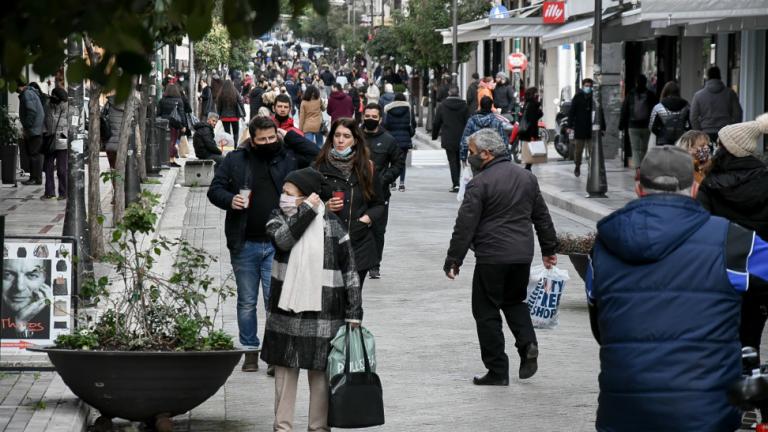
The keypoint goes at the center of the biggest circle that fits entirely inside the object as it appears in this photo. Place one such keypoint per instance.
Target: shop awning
(572, 32)
(497, 28)
(674, 10)
(468, 32)
(514, 31)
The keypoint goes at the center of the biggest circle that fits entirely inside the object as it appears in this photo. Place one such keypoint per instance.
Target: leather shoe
(577, 171)
(490, 380)
(251, 362)
(528, 362)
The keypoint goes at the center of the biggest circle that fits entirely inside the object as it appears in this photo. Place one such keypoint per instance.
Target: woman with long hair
(229, 104)
(670, 118)
(311, 115)
(172, 108)
(352, 189)
(532, 113)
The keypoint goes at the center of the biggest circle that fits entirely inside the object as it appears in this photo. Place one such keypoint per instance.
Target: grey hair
(685, 192)
(489, 139)
(213, 116)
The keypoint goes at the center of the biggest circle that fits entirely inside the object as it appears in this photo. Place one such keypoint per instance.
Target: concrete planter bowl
(142, 386)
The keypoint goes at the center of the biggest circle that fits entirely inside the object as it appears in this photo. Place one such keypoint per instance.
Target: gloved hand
(451, 267)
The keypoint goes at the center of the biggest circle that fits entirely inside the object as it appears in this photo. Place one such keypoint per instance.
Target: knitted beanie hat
(308, 180)
(740, 139)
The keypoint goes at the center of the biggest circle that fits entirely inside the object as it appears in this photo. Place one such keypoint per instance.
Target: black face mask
(280, 118)
(370, 124)
(266, 151)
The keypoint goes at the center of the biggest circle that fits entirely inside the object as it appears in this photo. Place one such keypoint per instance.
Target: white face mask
(288, 204)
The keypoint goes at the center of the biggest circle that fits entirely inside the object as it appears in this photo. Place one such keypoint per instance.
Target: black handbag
(356, 398)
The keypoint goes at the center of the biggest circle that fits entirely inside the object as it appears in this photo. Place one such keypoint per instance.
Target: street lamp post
(455, 44)
(596, 182)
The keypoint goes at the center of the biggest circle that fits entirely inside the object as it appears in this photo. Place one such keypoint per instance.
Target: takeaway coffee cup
(340, 195)
(246, 194)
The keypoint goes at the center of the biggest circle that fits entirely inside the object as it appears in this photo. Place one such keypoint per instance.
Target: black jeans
(34, 147)
(379, 229)
(754, 312)
(234, 129)
(501, 287)
(455, 165)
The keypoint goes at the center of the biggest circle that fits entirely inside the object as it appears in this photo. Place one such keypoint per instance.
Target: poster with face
(35, 301)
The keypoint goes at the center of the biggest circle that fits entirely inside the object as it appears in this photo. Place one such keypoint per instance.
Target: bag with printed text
(545, 291)
(337, 356)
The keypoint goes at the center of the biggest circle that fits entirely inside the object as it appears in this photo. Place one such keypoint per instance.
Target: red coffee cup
(340, 195)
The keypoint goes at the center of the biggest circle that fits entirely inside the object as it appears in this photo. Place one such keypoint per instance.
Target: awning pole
(596, 181)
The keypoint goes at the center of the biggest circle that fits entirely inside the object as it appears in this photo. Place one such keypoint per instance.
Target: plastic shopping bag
(466, 176)
(545, 290)
(337, 356)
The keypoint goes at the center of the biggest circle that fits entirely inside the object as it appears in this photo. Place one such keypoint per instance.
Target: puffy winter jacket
(479, 121)
(670, 120)
(504, 97)
(203, 141)
(31, 112)
(715, 106)
(400, 123)
(385, 154)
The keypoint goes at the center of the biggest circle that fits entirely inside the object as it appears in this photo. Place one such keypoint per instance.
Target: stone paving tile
(20, 393)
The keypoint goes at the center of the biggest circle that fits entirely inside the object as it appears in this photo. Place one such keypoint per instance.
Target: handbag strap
(55, 128)
(365, 352)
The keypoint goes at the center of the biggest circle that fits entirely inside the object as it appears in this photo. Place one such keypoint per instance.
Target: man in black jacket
(247, 185)
(203, 142)
(451, 117)
(385, 154)
(472, 94)
(500, 204)
(580, 122)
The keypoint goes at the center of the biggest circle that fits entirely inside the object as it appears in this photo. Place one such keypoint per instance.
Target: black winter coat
(255, 98)
(532, 113)
(203, 141)
(737, 189)
(500, 205)
(504, 97)
(229, 109)
(206, 103)
(472, 97)
(297, 152)
(385, 154)
(400, 123)
(580, 116)
(640, 117)
(166, 106)
(355, 206)
(451, 117)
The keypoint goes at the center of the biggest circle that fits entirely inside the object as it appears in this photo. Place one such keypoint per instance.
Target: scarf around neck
(342, 163)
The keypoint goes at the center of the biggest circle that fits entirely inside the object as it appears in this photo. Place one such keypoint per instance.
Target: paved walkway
(426, 342)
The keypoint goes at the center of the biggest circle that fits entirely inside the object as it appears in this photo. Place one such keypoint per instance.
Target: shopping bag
(183, 147)
(537, 148)
(337, 355)
(355, 398)
(528, 158)
(545, 291)
(466, 176)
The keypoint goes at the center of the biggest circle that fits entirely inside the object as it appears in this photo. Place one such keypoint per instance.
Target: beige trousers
(286, 380)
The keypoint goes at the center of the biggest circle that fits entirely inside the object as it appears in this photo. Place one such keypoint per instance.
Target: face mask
(266, 151)
(288, 205)
(370, 124)
(588, 90)
(702, 154)
(344, 153)
(475, 162)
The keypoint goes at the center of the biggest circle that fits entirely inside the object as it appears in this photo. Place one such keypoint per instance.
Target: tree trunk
(141, 136)
(122, 154)
(94, 172)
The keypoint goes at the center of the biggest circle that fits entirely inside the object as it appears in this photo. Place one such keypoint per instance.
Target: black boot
(528, 361)
(491, 379)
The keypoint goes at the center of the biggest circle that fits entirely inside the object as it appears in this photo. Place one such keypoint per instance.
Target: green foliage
(34, 32)
(212, 51)
(145, 310)
(240, 53)
(8, 132)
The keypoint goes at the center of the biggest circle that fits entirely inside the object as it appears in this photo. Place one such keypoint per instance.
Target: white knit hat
(740, 139)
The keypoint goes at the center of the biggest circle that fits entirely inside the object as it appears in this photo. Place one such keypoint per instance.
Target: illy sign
(553, 12)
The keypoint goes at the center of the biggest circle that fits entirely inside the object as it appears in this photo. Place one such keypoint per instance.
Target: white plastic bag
(545, 290)
(537, 148)
(466, 176)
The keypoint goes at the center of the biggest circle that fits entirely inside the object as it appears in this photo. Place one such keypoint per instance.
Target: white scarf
(303, 284)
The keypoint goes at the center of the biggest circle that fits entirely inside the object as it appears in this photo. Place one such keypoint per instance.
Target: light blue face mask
(344, 153)
(587, 90)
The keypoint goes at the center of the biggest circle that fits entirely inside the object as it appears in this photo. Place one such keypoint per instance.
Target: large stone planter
(580, 263)
(142, 386)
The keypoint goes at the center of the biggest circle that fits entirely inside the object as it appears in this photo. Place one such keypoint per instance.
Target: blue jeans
(251, 265)
(315, 137)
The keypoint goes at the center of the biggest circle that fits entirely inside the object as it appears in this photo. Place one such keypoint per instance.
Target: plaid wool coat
(302, 340)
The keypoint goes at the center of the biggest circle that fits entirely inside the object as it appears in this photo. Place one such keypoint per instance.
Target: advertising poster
(36, 300)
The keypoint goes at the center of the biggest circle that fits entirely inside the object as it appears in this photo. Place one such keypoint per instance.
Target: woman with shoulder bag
(529, 124)
(351, 189)
(171, 107)
(58, 157)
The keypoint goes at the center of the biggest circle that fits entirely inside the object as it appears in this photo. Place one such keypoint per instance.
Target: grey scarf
(343, 164)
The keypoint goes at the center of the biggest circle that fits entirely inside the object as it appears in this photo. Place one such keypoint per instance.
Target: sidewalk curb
(591, 210)
(64, 412)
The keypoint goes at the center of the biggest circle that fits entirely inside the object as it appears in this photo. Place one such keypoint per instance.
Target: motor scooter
(750, 393)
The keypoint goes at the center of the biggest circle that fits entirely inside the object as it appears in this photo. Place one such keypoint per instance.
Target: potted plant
(9, 146)
(577, 247)
(156, 348)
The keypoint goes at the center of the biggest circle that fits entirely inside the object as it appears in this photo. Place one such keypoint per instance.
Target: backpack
(105, 129)
(673, 125)
(640, 109)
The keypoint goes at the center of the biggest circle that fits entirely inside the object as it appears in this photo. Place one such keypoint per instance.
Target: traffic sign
(517, 62)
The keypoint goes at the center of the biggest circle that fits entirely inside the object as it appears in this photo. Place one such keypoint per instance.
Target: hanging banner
(36, 298)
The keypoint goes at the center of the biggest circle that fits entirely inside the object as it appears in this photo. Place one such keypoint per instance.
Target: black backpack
(105, 129)
(673, 125)
(640, 107)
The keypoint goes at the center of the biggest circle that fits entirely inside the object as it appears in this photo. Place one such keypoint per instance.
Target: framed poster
(36, 298)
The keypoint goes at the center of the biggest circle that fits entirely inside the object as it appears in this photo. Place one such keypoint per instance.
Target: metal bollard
(163, 137)
(132, 181)
(152, 155)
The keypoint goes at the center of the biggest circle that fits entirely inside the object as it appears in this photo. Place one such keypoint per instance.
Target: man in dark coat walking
(451, 117)
(472, 93)
(500, 205)
(261, 168)
(580, 122)
(385, 154)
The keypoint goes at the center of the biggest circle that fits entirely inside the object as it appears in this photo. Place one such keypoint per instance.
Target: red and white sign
(517, 62)
(553, 12)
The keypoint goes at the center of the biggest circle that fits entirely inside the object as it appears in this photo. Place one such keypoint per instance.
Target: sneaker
(374, 274)
(528, 362)
(271, 370)
(454, 189)
(401, 188)
(392, 186)
(251, 362)
(48, 197)
(62, 198)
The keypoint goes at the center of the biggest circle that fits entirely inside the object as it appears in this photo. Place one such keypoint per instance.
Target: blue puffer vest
(668, 319)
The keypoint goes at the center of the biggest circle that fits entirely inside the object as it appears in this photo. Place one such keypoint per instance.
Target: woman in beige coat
(311, 115)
